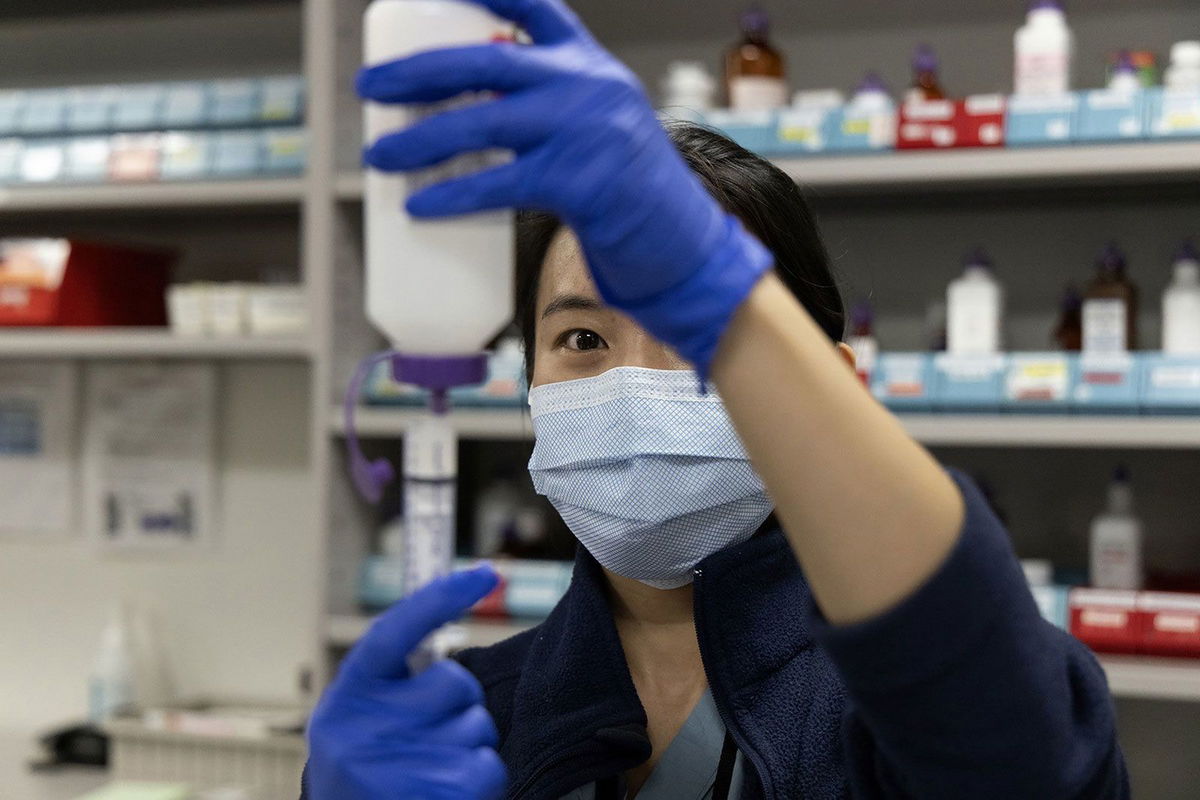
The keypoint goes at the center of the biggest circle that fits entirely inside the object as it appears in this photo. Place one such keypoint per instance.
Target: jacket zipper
(743, 745)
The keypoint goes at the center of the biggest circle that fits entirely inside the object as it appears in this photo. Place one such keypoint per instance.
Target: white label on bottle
(757, 93)
(1181, 325)
(1104, 326)
(1042, 72)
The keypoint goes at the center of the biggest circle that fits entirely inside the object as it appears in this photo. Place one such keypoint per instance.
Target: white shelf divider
(150, 196)
(970, 168)
(343, 630)
(939, 430)
(140, 343)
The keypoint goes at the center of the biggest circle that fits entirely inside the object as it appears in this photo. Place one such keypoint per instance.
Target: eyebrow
(571, 302)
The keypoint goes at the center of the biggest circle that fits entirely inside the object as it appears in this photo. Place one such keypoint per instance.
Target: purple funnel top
(755, 23)
(871, 82)
(925, 59)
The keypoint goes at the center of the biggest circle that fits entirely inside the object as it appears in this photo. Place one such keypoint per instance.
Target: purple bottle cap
(1111, 259)
(862, 315)
(871, 82)
(978, 258)
(925, 59)
(1072, 300)
(1045, 5)
(1188, 251)
(1121, 474)
(1125, 63)
(755, 22)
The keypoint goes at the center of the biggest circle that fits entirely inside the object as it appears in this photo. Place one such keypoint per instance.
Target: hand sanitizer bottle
(1116, 541)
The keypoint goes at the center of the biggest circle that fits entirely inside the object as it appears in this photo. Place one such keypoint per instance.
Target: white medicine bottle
(1184, 73)
(1181, 305)
(435, 288)
(1044, 48)
(1116, 539)
(975, 309)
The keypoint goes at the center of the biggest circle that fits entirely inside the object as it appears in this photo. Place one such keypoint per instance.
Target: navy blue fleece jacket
(962, 691)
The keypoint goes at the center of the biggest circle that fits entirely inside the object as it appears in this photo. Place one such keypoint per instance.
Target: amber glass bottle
(1069, 331)
(754, 70)
(926, 81)
(1110, 306)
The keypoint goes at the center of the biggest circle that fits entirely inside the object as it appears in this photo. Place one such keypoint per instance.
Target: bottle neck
(1187, 273)
(1047, 17)
(1120, 499)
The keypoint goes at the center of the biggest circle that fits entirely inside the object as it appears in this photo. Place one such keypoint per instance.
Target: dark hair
(761, 195)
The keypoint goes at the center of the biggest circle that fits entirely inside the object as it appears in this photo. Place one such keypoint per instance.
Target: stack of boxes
(153, 131)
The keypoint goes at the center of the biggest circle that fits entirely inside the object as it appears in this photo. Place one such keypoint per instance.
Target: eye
(582, 339)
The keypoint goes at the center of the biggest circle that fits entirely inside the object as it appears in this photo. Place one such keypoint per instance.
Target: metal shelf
(939, 430)
(140, 343)
(343, 630)
(152, 196)
(979, 168)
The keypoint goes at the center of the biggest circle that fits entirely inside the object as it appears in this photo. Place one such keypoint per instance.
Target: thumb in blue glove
(380, 732)
(587, 148)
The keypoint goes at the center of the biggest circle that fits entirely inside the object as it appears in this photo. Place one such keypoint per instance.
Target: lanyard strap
(609, 788)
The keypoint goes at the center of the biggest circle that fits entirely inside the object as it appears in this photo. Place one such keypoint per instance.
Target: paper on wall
(149, 455)
(37, 434)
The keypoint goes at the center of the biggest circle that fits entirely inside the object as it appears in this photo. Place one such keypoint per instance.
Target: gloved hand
(589, 149)
(380, 733)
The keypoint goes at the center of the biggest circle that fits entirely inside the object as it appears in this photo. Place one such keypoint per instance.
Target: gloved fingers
(498, 187)
(380, 769)
(546, 21)
(478, 774)
(444, 689)
(382, 653)
(514, 123)
(472, 728)
(436, 75)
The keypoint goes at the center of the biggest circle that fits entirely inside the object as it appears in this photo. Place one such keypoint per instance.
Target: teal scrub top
(688, 768)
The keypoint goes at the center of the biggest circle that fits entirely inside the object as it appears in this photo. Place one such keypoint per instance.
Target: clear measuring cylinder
(430, 481)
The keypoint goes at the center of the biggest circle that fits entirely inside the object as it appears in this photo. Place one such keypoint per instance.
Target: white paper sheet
(38, 481)
(149, 456)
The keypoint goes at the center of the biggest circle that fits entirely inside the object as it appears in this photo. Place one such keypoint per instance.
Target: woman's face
(577, 335)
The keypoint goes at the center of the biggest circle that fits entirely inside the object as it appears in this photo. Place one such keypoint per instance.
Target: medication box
(1038, 382)
(1170, 623)
(186, 155)
(1170, 384)
(753, 130)
(236, 153)
(1174, 113)
(235, 102)
(902, 381)
(135, 157)
(185, 105)
(283, 150)
(968, 383)
(12, 106)
(43, 161)
(87, 159)
(1106, 621)
(1108, 116)
(10, 160)
(1106, 384)
(1052, 603)
(282, 100)
(804, 130)
(977, 121)
(90, 108)
(45, 112)
(138, 107)
(857, 129)
(1040, 121)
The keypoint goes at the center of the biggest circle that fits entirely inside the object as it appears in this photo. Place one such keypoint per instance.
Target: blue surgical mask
(646, 470)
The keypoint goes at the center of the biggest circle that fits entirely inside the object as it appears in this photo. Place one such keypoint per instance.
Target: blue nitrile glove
(379, 732)
(589, 149)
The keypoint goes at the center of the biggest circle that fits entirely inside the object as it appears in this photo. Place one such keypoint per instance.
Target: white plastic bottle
(1045, 48)
(111, 686)
(443, 287)
(1184, 73)
(1124, 79)
(688, 89)
(1116, 539)
(975, 309)
(1181, 305)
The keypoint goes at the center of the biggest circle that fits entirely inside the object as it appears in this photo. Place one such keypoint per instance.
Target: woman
(878, 641)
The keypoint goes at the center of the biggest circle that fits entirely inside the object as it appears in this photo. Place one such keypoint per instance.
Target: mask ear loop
(370, 477)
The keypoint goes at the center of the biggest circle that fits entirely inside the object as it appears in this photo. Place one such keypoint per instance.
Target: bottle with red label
(862, 340)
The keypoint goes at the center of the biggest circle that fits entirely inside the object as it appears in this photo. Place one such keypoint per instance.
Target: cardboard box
(753, 130)
(186, 155)
(282, 99)
(185, 105)
(284, 150)
(235, 102)
(236, 153)
(1038, 121)
(1106, 384)
(1038, 382)
(135, 157)
(138, 107)
(968, 383)
(903, 381)
(1170, 623)
(1107, 116)
(90, 108)
(87, 159)
(1052, 604)
(43, 161)
(1170, 384)
(45, 112)
(977, 121)
(12, 106)
(800, 131)
(1106, 621)
(1173, 113)
(863, 129)
(10, 160)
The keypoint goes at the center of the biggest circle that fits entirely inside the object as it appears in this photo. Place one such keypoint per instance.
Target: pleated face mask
(646, 471)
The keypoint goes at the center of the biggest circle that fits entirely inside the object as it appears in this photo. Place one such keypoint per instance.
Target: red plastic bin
(1105, 620)
(977, 121)
(1170, 623)
(101, 285)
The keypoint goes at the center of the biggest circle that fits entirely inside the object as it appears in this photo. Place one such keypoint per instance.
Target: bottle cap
(1187, 251)
(1186, 54)
(1072, 300)
(925, 59)
(755, 22)
(1125, 64)
(977, 258)
(871, 82)
(1045, 5)
(1121, 474)
(862, 315)
(1111, 259)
